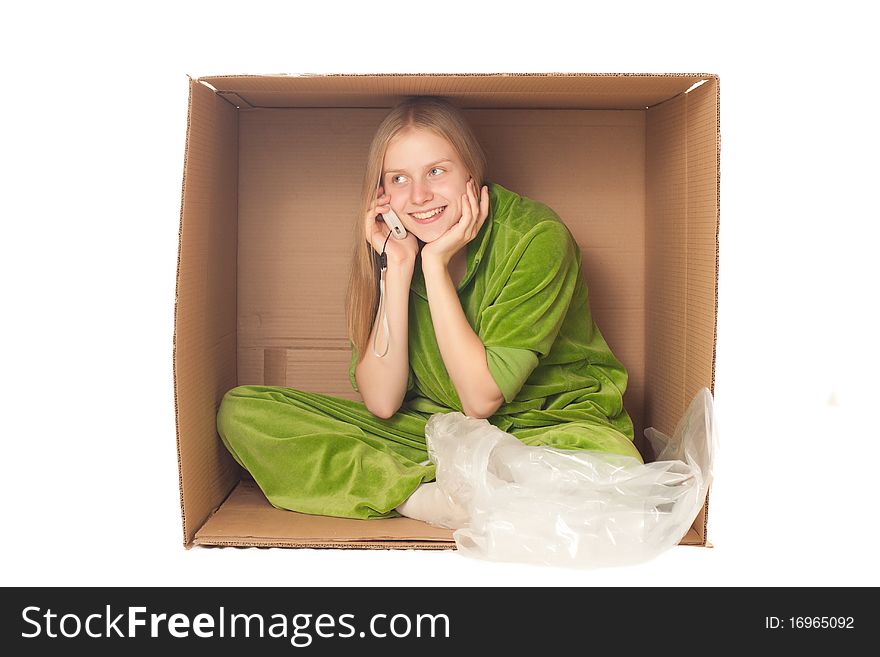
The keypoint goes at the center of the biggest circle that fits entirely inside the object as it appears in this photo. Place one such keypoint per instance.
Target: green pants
(318, 454)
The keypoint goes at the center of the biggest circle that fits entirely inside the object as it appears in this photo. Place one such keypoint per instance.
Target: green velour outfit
(524, 295)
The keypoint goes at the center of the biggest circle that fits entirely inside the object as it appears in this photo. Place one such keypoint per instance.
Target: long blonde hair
(432, 113)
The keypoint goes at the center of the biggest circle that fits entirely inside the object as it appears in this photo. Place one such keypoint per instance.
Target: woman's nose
(421, 192)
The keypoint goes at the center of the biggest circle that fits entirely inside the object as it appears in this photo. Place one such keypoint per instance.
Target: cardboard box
(271, 182)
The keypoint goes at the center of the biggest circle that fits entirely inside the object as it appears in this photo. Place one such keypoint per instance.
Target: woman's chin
(429, 234)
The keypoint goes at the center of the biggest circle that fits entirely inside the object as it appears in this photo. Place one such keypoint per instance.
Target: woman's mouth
(431, 217)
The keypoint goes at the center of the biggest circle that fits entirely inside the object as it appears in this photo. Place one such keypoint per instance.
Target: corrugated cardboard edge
(255, 91)
(340, 545)
(691, 539)
(186, 543)
(717, 79)
(563, 74)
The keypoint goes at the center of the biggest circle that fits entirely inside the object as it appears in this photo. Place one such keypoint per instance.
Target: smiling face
(422, 172)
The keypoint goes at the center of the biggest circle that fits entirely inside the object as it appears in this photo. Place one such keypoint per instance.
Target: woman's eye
(394, 178)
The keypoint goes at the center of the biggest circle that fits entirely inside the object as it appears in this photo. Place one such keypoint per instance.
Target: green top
(524, 295)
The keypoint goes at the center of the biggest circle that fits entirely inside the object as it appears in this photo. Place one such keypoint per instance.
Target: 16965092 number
(821, 622)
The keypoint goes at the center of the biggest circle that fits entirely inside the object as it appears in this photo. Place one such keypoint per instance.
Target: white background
(94, 118)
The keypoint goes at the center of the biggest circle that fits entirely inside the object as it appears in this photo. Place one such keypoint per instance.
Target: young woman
(485, 312)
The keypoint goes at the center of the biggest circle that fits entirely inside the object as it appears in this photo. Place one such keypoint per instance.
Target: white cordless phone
(392, 219)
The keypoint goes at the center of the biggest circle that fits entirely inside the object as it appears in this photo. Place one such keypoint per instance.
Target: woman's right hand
(397, 251)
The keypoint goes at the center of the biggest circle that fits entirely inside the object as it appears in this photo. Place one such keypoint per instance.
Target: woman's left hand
(473, 213)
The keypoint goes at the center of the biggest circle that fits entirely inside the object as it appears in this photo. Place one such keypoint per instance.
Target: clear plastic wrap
(579, 508)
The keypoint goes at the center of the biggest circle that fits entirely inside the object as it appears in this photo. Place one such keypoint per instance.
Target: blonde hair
(432, 113)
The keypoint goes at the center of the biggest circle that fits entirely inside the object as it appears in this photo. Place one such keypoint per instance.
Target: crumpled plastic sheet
(575, 508)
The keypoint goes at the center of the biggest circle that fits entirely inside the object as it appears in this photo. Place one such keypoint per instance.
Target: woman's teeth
(425, 216)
